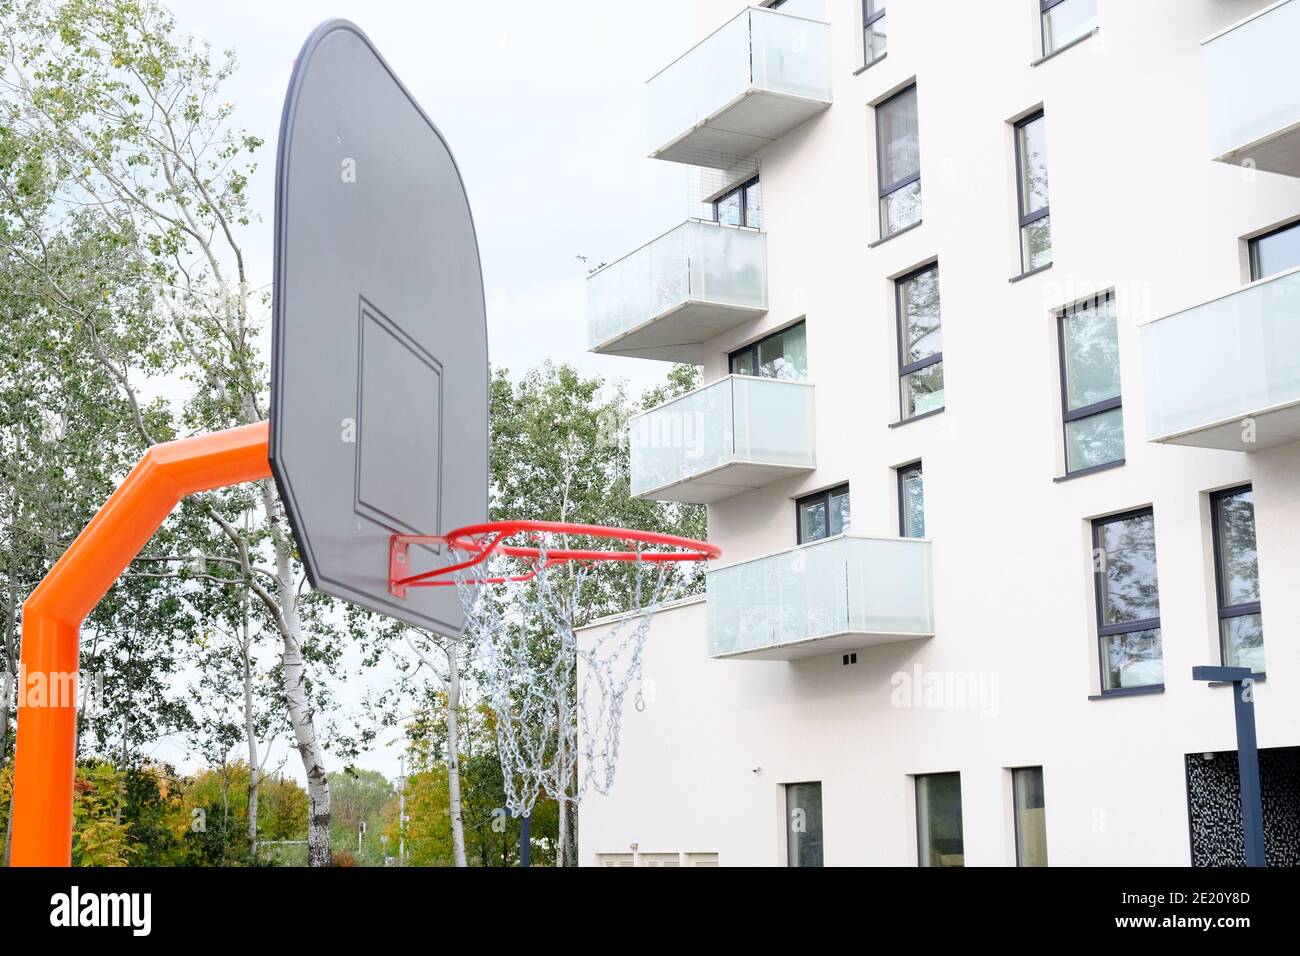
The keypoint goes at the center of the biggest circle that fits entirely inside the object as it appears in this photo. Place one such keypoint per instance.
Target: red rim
(481, 541)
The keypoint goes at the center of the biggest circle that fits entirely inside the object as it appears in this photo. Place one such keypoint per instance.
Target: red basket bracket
(478, 542)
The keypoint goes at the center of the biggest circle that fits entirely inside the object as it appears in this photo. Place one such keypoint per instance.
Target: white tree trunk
(453, 752)
(250, 732)
(9, 680)
(295, 696)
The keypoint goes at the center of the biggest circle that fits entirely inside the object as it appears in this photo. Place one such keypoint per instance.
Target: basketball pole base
(526, 840)
(47, 722)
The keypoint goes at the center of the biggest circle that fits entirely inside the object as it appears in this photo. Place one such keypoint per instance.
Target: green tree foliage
(491, 837)
(220, 795)
(100, 836)
(149, 816)
(357, 796)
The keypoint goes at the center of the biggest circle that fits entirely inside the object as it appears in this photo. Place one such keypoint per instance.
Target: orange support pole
(52, 616)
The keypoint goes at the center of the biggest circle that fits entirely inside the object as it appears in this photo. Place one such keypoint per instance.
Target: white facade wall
(1137, 207)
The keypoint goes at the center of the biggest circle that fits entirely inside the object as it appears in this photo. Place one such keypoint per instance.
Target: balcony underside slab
(727, 481)
(1279, 426)
(740, 129)
(821, 646)
(679, 334)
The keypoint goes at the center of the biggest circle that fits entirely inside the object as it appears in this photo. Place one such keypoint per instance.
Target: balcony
(843, 594)
(1253, 78)
(667, 298)
(750, 82)
(733, 436)
(1226, 373)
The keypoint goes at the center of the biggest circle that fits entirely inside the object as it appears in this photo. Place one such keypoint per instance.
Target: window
(911, 502)
(1128, 601)
(803, 824)
(873, 27)
(1090, 392)
(823, 515)
(1031, 816)
(1031, 187)
(898, 162)
(781, 355)
(1065, 21)
(920, 342)
(938, 820)
(1236, 572)
(740, 206)
(1278, 251)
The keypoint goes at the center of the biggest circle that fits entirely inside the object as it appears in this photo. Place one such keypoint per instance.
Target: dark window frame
(916, 812)
(868, 19)
(1069, 415)
(740, 189)
(907, 368)
(824, 496)
(888, 189)
(1252, 247)
(1225, 611)
(1027, 219)
(902, 472)
(752, 348)
(788, 832)
(1043, 7)
(1015, 815)
(1105, 630)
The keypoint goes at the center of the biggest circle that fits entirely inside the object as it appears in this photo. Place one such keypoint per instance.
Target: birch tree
(449, 685)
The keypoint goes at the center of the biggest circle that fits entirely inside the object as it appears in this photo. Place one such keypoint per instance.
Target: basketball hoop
(524, 585)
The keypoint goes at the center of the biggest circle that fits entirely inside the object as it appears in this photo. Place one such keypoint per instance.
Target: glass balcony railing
(1254, 90)
(844, 593)
(748, 83)
(732, 436)
(1226, 373)
(674, 293)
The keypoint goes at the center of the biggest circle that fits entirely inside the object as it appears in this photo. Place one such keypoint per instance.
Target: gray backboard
(379, 368)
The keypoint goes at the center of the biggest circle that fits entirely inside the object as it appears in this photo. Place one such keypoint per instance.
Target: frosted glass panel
(773, 421)
(728, 266)
(838, 586)
(767, 50)
(737, 419)
(1253, 82)
(696, 262)
(791, 54)
(689, 436)
(1226, 359)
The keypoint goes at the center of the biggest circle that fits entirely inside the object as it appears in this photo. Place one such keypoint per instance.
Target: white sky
(542, 104)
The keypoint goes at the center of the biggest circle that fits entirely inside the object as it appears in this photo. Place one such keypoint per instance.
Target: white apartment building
(999, 322)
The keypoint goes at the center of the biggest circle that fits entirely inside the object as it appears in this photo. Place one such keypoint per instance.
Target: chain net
(557, 701)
